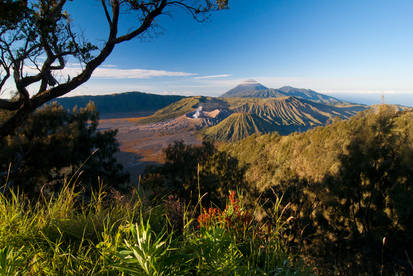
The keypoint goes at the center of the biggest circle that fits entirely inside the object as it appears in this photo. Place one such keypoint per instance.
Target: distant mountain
(122, 103)
(309, 94)
(259, 110)
(244, 116)
(245, 89)
(253, 89)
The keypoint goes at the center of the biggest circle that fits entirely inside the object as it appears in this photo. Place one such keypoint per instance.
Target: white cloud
(109, 78)
(116, 73)
(213, 77)
(109, 66)
(136, 73)
(111, 72)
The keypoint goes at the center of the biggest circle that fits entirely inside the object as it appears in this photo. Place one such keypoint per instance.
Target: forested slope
(347, 187)
(311, 154)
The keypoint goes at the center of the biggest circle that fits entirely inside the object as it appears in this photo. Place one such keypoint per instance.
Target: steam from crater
(198, 112)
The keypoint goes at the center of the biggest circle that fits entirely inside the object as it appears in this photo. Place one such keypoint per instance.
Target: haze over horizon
(353, 50)
(368, 99)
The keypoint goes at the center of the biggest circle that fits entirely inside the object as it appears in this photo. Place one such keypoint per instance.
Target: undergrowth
(112, 234)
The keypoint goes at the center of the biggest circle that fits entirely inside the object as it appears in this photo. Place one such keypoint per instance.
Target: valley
(141, 144)
(230, 118)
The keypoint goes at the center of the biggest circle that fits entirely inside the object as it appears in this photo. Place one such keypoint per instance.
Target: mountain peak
(252, 89)
(245, 88)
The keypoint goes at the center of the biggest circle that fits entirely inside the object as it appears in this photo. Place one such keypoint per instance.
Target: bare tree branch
(9, 105)
(105, 8)
(145, 24)
(41, 30)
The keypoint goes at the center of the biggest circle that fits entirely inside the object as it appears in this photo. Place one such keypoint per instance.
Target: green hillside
(311, 154)
(238, 126)
(173, 110)
(130, 102)
(184, 106)
(347, 185)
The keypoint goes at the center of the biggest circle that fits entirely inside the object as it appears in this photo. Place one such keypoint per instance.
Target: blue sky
(354, 49)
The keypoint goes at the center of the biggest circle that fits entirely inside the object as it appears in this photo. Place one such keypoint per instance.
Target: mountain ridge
(283, 114)
(128, 102)
(238, 126)
(226, 118)
(253, 89)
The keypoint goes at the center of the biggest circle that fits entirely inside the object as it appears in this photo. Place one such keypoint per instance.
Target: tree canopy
(37, 41)
(348, 187)
(192, 171)
(53, 144)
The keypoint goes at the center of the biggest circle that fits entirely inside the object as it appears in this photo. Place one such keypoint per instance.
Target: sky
(352, 49)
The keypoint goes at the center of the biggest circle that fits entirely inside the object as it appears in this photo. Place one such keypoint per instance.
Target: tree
(364, 217)
(53, 144)
(38, 34)
(192, 171)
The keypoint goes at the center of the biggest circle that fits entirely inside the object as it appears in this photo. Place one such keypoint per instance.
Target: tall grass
(111, 234)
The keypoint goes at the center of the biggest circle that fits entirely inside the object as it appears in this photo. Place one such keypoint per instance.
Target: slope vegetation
(185, 106)
(312, 154)
(284, 115)
(238, 126)
(347, 185)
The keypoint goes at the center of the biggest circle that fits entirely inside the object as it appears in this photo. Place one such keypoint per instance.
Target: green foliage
(110, 235)
(217, 253)
(56, 236)
(144, 251)
(53, 144)
(369, 201)
(194, 171)
(231, 241)
(12, 12)
(235, 218)
(348, 185)
(11, 262)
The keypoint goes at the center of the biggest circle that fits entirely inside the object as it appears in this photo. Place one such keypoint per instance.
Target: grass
(112, 234)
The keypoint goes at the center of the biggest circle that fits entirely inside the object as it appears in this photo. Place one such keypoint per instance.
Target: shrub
(53, 144)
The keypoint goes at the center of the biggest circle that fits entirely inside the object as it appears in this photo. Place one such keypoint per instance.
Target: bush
(191, 172)
(53, 144)
(340, 221)
(109, 237)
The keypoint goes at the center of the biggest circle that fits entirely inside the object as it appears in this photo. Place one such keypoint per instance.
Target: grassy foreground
(112, 234)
